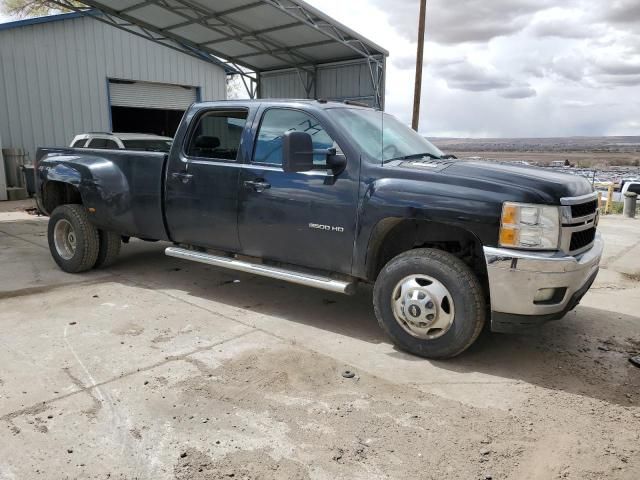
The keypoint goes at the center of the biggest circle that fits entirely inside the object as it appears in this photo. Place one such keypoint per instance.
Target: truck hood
(547, 185)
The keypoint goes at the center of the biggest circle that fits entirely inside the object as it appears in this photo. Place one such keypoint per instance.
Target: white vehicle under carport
(122, 141)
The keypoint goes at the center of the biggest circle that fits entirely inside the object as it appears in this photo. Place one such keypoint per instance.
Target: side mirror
(297, 152)
(337, 162)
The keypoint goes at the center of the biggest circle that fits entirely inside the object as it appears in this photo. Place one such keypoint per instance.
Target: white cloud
(509, 67)
(622, 11)
(463, 75)
(518, 92)
(570, 23)
(463, 20)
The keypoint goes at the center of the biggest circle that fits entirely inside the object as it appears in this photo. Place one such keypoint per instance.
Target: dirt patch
(634, 277)
(194, 465)
(245, 465)
(91, 412)
(306, 413)
(163, 337)
(130, 329)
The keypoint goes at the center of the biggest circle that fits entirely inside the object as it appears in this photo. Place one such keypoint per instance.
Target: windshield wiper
(415, 155)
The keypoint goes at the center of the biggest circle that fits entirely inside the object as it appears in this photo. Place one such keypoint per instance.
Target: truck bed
(123, 189)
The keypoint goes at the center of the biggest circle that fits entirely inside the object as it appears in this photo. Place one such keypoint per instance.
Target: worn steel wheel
(64, 238)
(423, 306)
(73, 240)
(430, 303)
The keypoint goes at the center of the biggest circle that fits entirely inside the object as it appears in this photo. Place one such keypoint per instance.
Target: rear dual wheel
(76, 244)
(430, 303)
(110, 243)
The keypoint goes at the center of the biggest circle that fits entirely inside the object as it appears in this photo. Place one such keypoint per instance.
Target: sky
(509, 68)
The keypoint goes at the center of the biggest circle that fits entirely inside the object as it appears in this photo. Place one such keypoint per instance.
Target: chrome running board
(309, 280)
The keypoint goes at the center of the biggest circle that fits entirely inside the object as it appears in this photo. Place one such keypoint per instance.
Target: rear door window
(217, 135)
(103, 143)
(79, 143)
(97, 143)
(153, 145)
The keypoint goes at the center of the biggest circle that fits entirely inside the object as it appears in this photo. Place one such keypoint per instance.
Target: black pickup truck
(330, 195)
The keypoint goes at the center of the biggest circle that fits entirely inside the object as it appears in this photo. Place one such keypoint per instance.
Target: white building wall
(53, 78)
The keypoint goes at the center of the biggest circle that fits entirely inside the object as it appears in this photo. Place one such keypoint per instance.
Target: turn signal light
(508, 236)
(509, 214)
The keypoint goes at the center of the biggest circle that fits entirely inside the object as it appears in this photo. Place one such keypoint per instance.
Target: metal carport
(268, 42)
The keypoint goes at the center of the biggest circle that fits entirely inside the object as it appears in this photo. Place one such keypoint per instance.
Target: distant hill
(560, 144)
(588, 152)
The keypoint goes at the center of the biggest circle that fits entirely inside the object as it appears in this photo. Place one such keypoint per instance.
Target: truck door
(306, 219)
(201, 200)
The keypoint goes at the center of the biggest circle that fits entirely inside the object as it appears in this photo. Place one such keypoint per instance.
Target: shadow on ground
(586, 353)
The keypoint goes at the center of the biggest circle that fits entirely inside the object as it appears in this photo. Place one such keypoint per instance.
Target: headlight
(530, 226)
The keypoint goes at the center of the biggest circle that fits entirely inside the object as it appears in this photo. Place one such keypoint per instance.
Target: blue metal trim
(46, 19)
(109, 106)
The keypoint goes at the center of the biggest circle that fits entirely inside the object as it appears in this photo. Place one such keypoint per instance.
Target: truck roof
(319, 103)
(123, 135)
(139, 136)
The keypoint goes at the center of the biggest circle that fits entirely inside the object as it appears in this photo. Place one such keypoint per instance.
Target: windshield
(149, 145)
(381, 136)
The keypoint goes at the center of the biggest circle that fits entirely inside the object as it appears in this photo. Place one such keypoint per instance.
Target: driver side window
(217, 135)
(276, 122)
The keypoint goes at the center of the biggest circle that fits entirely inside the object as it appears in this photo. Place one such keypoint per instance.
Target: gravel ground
(161, 369)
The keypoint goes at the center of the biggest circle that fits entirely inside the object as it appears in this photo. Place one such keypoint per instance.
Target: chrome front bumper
(515, 276)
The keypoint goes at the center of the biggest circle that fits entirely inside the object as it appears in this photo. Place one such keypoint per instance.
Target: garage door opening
(145, 120)
(145, 107)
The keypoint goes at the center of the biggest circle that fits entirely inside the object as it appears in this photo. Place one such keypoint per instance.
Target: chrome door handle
(182, 176)
(257, 185)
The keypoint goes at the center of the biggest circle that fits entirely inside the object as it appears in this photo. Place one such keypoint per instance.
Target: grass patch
(617, 207)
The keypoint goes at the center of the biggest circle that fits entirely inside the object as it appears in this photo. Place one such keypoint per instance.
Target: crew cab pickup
(332, 195)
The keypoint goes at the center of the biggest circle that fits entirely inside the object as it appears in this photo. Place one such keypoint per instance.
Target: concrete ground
(159, 369)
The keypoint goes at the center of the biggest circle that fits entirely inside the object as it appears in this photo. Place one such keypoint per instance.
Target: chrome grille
(582, 239)
(584, 209)
(579, 220)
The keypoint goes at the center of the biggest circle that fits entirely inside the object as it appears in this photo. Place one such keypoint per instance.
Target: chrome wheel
(423, 306)
(64, 239)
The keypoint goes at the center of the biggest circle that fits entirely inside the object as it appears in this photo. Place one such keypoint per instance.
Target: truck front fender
(387, 202)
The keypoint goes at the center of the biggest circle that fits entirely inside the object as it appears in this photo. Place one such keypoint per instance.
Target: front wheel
(73, 240)
(430, 303)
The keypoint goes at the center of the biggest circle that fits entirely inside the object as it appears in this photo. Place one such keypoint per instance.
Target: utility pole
(418, 87)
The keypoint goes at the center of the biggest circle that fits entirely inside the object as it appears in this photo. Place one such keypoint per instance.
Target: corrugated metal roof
(37, 20)
(261, 35)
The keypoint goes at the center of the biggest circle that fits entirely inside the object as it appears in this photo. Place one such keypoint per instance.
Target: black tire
(109, 248)
(465, 290)
(85, 251)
